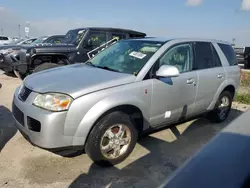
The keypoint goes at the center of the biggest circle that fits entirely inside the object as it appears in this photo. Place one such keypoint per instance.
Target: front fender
(103, 106)
(223, 85)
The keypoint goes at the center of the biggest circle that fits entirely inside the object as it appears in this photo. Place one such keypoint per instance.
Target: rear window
(4, 38)
(229, 53)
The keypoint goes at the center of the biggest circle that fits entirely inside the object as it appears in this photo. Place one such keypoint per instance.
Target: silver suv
(103, 105)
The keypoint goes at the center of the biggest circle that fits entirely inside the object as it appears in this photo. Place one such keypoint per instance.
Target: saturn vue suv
(103, 105)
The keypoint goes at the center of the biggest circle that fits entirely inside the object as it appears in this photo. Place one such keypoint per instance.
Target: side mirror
(167, 71)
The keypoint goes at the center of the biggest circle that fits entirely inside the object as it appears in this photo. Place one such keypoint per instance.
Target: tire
(97, 137)
(216, 115)
(45, 66)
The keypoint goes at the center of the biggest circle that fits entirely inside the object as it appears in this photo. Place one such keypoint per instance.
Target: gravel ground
(153, 160)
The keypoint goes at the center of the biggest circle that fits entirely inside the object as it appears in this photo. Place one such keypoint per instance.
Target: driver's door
(174, 98)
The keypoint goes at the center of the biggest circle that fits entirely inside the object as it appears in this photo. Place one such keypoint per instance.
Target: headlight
(53, 101)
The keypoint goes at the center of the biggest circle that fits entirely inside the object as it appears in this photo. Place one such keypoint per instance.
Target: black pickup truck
(79, 46)
(243, 56)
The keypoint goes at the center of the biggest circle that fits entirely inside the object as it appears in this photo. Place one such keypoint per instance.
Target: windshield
(74, 36)
(128, 56)
(39, 40)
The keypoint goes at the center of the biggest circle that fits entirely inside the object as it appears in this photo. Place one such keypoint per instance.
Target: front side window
(180, 56)
(229, 53)
(128, 56)
(96, 39)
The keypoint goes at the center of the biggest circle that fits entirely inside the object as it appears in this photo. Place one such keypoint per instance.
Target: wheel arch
(54, 58)
(228, 85)
(98, 111)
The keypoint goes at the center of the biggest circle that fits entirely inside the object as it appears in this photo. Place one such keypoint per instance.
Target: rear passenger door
(230, 62)
(211, 74)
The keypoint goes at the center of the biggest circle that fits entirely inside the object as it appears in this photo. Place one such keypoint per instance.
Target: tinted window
(96, 39)
(229, 53)
(74, 36)
(180, 56)
(217, 62)
(203, 56)
(118, 35)
(4, 38)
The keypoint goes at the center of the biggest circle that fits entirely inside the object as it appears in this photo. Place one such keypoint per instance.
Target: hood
(46, 47)
(76, 80)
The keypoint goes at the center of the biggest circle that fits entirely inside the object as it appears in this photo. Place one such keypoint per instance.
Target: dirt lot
(154, 158)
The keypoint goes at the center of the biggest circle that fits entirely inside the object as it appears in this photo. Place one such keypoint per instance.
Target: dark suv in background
(79, 46)
(243, 56)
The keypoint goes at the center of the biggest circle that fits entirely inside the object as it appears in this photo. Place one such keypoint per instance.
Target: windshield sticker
(138, 55)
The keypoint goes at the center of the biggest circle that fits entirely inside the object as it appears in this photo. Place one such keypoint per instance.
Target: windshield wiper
(107, 68)
(91, 64)
(100, 67)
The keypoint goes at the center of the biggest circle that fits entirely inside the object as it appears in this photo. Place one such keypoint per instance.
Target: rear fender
(219, 91)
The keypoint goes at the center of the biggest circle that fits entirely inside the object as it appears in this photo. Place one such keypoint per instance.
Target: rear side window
(204, 56)
(229, 53)
(217, 62)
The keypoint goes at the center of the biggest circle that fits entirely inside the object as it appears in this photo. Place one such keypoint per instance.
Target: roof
(112, 28)
(160, 39)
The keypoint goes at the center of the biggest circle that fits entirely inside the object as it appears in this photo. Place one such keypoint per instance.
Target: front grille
(24, 93)
(33, 124)
(18, 114)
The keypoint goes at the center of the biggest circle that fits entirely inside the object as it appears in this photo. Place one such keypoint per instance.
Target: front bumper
(42, 128)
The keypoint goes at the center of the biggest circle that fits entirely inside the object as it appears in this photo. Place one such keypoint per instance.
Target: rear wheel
(46, 65)
(112, 139)
(222, 107)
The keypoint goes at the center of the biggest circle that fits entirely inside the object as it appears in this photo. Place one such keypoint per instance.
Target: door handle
(190, 81)
(220, 76)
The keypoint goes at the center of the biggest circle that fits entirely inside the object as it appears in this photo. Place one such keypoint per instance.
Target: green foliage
(243, 98)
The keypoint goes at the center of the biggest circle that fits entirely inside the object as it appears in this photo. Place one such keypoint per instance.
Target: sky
(217, 19)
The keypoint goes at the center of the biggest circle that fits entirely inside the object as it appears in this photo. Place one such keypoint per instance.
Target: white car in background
(5, 40)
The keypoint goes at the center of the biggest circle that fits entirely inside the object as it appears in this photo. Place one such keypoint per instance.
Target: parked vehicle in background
(243, 56)
(26, 41)
(79, 45)
(11, 51)
(130, 87)
(53, 39)
(5, 40)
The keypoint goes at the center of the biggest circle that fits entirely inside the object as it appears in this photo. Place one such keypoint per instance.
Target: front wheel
(45, 66)
(222, 108)
(112, 139)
